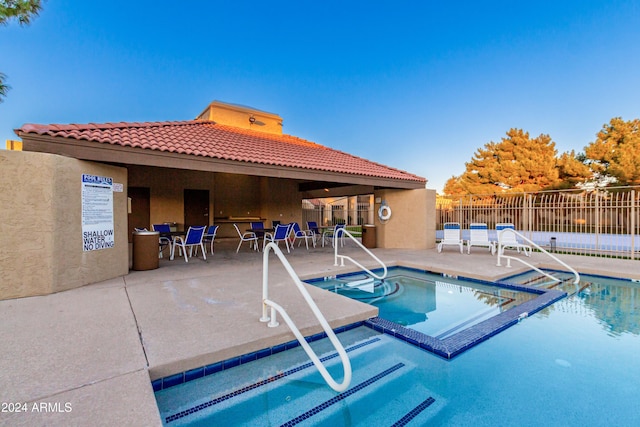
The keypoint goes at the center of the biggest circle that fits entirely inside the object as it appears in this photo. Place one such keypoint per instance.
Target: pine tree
(616, 151)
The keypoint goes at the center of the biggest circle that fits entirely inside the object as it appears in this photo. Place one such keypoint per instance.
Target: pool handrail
(266, 302)
(535, 245)
(343, 257)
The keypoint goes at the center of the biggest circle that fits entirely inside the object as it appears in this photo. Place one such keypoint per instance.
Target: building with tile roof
(230, 165)
(224, 138)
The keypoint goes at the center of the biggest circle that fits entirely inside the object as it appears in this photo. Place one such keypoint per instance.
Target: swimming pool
(441, 313)
(572, 363)
(431, 303)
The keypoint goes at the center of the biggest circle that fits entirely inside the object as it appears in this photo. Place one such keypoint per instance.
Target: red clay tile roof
(208, 139)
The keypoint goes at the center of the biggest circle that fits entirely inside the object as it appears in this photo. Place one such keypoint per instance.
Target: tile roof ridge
(41, 128)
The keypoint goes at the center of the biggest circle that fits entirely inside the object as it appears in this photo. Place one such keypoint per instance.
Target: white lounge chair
(479, 236)
(507, 239)
(451, 236)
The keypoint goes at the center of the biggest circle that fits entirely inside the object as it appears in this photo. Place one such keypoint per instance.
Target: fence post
(633, 224)
(597, 217)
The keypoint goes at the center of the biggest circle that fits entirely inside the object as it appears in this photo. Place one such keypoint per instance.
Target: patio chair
(164, 241)
(192, 240)
(479, 236)
(333, 234)
(258, 228)
(313, 227)
(281, 234)
(507, 239)
(249, 236)
(451, 236)
(210, 236)
(302, 234)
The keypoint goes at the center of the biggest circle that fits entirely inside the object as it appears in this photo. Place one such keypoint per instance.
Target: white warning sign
(97, 212)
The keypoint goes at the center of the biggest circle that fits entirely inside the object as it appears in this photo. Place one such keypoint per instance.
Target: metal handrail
(266, 302)
(343, 257)
(509, 258)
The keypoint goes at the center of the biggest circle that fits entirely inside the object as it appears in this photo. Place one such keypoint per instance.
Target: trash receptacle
(145, 250)
(369, 236)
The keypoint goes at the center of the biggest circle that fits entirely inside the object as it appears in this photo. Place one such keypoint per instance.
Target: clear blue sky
(417, 85)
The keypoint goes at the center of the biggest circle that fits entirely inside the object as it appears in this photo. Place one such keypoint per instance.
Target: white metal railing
(266, 302)
(509, 258)
(336, 236)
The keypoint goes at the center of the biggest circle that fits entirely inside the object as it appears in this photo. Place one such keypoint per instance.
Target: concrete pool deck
(87, 356)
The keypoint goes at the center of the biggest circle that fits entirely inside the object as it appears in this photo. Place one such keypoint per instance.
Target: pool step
(381, 389)
(565, 284)
(366, 285)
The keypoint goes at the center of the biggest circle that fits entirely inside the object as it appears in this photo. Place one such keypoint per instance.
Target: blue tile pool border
(196, 373)
(452, 346)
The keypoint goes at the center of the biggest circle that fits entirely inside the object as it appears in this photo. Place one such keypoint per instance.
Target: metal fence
(332, 215)
(603, 222)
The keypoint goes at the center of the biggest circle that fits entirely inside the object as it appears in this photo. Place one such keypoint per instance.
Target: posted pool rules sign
(97, 212)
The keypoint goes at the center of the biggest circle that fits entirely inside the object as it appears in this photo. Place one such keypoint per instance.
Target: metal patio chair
(281, 234)
(192, 240)
(210, 236)
(302, 234)
(249, 236)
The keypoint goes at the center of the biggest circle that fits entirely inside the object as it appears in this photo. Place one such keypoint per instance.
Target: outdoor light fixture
(252, 119)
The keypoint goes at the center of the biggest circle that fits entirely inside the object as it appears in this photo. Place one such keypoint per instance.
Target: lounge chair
(479, 236)
(451, 236)
(247, 237)
(281, 234)
(507, 239)
(192, 240)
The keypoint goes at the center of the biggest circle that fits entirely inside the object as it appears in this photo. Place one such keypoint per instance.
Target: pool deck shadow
(89, 354)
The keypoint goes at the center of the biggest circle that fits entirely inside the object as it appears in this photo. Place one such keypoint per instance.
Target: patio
(90, 353)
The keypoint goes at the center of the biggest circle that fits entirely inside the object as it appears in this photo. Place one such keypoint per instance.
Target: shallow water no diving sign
(97, 212)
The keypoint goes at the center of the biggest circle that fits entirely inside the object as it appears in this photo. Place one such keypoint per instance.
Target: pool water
(430, 303)
(574, 363)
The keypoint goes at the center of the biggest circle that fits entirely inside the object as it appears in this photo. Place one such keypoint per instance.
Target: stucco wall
(166, 190)
(281, 201)
(41, 225)
(412, 224)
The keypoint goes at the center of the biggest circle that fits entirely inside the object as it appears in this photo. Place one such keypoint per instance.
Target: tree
(573, 170)
(4, 88)
(616, 151)
(518, 163)
(23, 11)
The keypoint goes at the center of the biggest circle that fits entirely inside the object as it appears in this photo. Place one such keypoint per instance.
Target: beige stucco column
(412, 223)
(41, 239)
